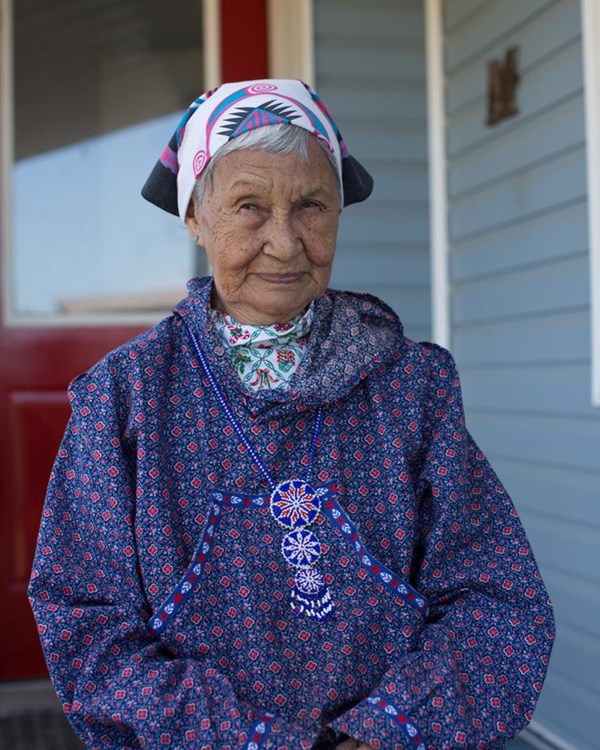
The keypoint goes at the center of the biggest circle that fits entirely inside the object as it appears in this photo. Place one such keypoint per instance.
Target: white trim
(211, 51)
(6, 150)
(590, 23)
(291, 39)
(438, 199)
(96, 320)
(211, 43)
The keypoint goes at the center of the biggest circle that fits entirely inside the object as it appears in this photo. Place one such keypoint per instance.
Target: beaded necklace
(295, 505)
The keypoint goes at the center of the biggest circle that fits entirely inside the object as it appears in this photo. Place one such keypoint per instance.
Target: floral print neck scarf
(265, 357)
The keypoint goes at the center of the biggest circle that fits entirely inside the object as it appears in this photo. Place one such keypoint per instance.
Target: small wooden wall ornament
(503, 79)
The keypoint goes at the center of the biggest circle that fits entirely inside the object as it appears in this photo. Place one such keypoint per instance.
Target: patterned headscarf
(235, 108)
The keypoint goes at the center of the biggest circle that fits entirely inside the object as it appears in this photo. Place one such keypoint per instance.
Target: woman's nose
(283, 239)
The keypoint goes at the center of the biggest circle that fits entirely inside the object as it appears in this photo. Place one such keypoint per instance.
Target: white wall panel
(519, 260)
(370, 69)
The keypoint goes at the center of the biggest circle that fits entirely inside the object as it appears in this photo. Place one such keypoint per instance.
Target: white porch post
(590, 23)
(291, 39)
(438, 200)
(211, 42)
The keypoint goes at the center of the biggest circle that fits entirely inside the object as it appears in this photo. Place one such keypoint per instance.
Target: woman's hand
(352, 744)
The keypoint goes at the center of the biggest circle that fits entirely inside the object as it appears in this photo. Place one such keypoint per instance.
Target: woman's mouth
(281, 278)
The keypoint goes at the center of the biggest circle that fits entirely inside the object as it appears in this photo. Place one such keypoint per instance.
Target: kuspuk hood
(352, 335)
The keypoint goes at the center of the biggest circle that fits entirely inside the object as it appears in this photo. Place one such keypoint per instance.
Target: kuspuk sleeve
(118, 684)
(474, 678)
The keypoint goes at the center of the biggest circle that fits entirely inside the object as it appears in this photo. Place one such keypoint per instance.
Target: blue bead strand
(236, 425)
(292, 504)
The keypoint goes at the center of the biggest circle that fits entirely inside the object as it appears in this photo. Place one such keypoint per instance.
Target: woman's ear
(193, 226)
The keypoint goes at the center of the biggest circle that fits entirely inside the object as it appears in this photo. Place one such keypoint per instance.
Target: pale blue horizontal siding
(582, 542)
(525, 292)
(556, 131)
(556, 27)
(490, 23)
(573, 706)
(541, 339)
(566, 442)
(528, 243)
(378, 21)
(524, 193)
(577, 600)
(520, 297)
(456, 12)
(535, 97)
(370, 69)
(535, 389)
(580, 653)
(402, 224)
(555, 492)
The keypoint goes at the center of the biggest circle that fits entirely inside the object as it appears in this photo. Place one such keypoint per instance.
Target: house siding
(370, 69)
(520, 311)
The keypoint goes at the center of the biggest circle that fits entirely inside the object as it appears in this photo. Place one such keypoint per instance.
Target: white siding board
(567, 442)
(357, 21)
(374, 104)
(523, 293)
(578, 654)
(576, 601)
(569, 710)
(406, 222)
(573, 547)
(353, 268)
(370, 69)
(558, 129)
(379, 60)
(459, 11)
(534, 96)
(555, 390)
(550, 339)
(530, 242)
(544, 188)
(394, 178)
(482, 30)
(401, 141)
(545, 35)
(573, 497)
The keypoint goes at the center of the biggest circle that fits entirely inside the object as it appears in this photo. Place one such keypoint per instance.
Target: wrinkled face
(269, 226)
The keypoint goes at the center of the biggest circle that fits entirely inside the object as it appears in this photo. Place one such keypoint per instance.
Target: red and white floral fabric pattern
(131, 504)
(265, 357)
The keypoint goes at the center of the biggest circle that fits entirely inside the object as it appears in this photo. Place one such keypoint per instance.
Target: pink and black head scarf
(235, 108)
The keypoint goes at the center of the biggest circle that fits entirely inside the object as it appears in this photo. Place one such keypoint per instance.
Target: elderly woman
(267, 526)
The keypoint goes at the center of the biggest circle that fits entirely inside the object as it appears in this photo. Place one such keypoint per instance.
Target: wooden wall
(369, 58)
(521, 311)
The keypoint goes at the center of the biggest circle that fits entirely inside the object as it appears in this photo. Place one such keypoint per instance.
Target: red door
(41, 352)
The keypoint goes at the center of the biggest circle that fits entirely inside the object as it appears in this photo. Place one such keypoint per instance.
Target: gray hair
(276, 139)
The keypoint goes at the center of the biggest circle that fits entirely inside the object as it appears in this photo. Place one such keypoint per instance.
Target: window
(97, 88)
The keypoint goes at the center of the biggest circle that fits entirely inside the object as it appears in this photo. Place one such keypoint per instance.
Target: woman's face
(268, 223)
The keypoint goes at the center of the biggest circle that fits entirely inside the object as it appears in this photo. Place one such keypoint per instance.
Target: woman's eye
(310, 204)
(249, 206)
